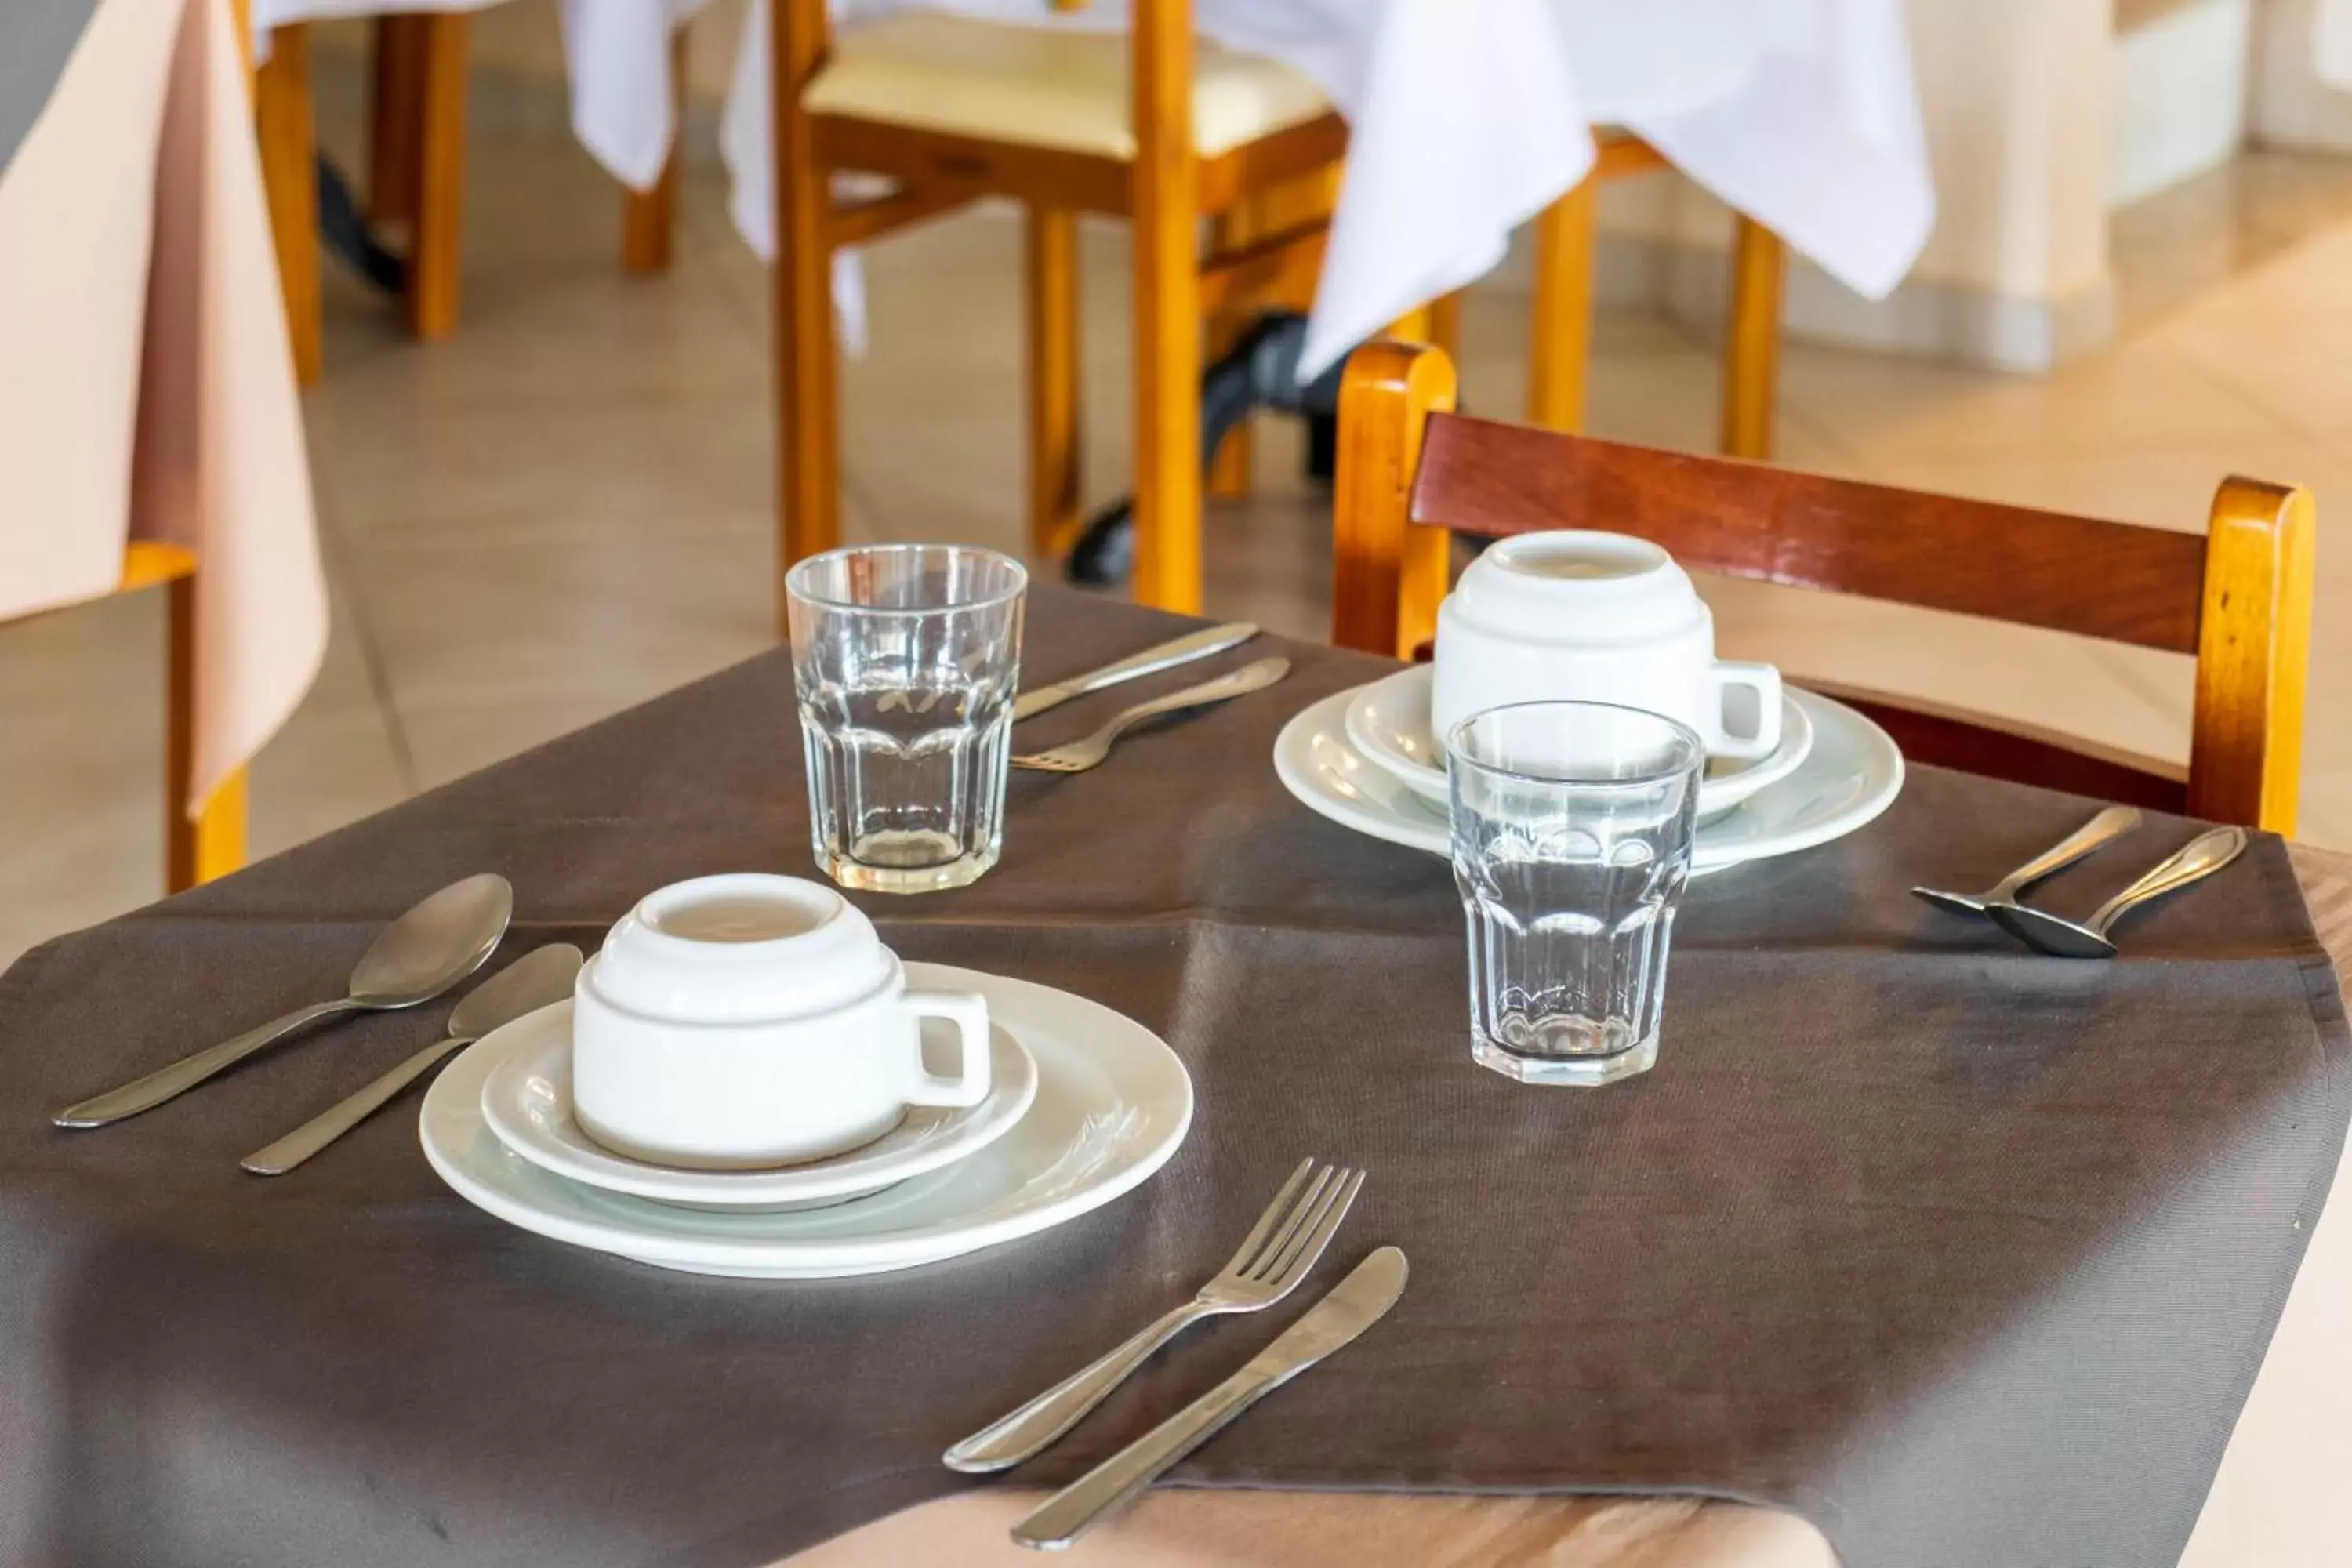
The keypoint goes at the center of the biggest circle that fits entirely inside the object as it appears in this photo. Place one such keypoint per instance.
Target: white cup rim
(891, 983)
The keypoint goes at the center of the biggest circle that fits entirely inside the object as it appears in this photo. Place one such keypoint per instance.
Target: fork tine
(1301, 1215)
(1265, 1222)
(1300, 1255)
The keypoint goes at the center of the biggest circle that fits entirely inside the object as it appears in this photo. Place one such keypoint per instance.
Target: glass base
(959, 872)
(1575, 1071)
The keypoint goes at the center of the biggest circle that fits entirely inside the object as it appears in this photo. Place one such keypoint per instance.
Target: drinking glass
(1572, 826)
(906, 657)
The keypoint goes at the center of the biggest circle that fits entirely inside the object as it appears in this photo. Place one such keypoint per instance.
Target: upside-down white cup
(1578, 616)
(744, 1021)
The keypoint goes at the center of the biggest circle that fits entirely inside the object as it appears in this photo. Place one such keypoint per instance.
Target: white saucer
(1388, 723)
(1112, 1105)
(527, 1101)
(1853, 773)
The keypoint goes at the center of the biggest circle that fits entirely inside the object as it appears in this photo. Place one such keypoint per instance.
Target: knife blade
(1191, 646)
(1353, 1305)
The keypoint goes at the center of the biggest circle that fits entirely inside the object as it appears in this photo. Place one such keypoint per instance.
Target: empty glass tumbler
(906, 657)
(1572, 827)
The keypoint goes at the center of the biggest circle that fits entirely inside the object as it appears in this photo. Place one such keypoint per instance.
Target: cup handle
(1760, 679)
(967, 1011)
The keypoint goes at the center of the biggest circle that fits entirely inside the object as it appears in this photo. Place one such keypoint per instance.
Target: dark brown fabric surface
(1967, 1255)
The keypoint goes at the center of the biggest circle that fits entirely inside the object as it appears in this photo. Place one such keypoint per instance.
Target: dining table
(1914, 1248)
(148, 390)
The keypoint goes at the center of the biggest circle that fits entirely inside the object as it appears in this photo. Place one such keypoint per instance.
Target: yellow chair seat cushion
(1045, 87)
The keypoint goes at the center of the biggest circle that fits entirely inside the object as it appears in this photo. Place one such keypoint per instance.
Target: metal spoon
(422, 954)
(2192, 862)
(2103, 830)
(539, 977)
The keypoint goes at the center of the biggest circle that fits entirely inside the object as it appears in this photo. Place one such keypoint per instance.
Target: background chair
(1145, 126)
(2239, 599)
(209, 842)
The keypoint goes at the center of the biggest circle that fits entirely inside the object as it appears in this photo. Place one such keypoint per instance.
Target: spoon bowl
(440, 941)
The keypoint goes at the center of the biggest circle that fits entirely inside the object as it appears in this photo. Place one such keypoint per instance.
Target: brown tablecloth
(146, 390)
(1902, 1209)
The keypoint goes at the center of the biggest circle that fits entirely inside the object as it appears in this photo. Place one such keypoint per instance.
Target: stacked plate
(1085, 1104)
(1368, 759)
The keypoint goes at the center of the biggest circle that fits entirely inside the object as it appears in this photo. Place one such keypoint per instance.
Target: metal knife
(1355, 1304)
(1191, 646)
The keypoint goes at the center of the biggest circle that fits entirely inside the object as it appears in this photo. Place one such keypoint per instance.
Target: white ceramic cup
(1585, 617)
(738, 1022)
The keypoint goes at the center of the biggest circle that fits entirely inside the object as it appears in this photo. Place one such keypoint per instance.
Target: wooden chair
(951, 110)
(210, 841)
(416, 171)
(2238, 599)
(1561, 332)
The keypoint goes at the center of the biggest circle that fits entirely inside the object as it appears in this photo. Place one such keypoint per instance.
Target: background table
(1466, 119)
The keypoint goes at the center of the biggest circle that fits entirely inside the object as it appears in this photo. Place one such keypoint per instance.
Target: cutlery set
(1281, 1249)
(2061, 938)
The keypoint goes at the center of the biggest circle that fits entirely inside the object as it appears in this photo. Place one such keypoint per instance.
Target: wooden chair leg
(432, 263)
(807, 416)
(209, 842)
(283, 128)
(649, 218)
(395, 110)
(1229, 470)
(1562, 353)
(1445, 325)
(1052, 268)
(1166, 314)
(1751, 344)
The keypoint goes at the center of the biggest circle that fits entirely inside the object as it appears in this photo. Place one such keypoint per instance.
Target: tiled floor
(565, 509)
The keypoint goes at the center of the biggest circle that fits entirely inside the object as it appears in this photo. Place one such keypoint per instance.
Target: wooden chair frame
(1560, 348)
(208, 841)
(2238, 599)
(1163, 191)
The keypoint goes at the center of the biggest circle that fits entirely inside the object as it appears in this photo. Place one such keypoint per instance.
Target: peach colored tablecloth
(2275, 1502)
(146, 389)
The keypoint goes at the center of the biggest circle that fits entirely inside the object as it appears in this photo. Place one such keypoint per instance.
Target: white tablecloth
(1467, 119)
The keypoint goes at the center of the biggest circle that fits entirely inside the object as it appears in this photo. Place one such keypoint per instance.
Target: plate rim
(1328, 713)
(890, 1249)
(813, 1183)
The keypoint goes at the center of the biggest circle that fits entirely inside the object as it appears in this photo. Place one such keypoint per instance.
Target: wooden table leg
(1751, 341)
(432, 263)
(1052, 273)
(1560, 353)
(650, 217)
(396, 112)
(290, 175)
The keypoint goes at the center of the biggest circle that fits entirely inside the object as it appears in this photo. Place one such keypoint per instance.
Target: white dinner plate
(1388, 723)
(1853, 773)
(527, 1101)
(1113, 1103)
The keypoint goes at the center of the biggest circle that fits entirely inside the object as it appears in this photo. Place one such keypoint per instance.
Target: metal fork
(1079, 755)
(1282, 1247)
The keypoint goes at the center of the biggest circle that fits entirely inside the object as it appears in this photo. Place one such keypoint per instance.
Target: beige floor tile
(449, 742)
(473, 624)
(2281, 336)
(2136, 397)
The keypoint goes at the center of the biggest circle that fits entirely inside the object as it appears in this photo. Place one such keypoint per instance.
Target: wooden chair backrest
(1411, 472)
